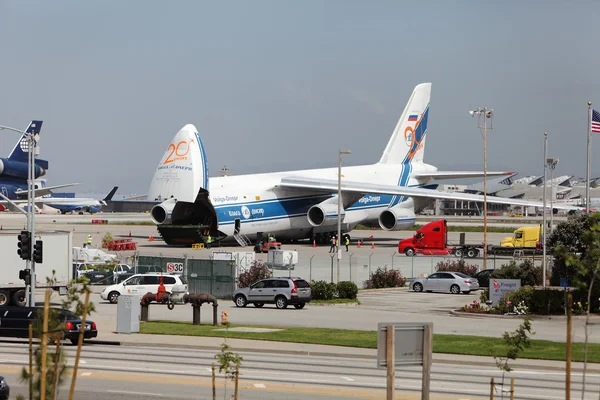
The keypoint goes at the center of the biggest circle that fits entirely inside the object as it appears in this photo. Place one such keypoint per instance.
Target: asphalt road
(168, 373)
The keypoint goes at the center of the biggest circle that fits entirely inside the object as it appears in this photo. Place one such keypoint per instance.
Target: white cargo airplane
(302, 204)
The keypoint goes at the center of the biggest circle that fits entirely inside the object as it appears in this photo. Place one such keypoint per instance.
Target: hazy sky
(278, 85)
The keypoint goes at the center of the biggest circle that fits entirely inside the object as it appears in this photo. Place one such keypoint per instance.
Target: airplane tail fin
(110, 194)
(19, 152)
(183, 170)
(407, 143)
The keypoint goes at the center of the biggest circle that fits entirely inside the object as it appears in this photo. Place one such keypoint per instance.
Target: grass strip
(449, 344)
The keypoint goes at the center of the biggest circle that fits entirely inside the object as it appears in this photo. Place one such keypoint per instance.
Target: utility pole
(339, 209)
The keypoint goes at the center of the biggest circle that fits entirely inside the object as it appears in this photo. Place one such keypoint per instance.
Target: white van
(141, 284)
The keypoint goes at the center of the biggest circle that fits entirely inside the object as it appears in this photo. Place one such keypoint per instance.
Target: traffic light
(25, 274)
(37, 251)
(24, 245)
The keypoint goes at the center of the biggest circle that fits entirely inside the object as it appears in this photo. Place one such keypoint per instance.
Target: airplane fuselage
(254, 203)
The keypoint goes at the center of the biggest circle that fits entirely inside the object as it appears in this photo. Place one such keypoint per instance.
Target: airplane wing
(458, 174)
(45, 190)
(359, 187)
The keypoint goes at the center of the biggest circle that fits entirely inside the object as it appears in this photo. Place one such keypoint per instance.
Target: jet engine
(161, 213)
(401, 216)
(324, 214)
(18, 169)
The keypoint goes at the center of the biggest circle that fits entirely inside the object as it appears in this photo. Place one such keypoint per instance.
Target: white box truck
(57, 256)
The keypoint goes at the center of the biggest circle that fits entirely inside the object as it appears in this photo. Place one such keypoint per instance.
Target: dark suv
(278, 291)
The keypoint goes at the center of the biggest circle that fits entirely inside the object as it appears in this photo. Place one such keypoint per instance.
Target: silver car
(278, 291)
(453, 282)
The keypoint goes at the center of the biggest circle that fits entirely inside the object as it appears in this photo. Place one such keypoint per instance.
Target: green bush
(529, 274)
(538, 301)
(347, 290)
(321, 290)
(456, 266)
(384, 278)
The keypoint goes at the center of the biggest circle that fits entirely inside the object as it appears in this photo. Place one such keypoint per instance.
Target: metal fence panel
(214, 277)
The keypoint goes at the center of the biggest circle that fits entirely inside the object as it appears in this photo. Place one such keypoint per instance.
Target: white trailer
(57, 257)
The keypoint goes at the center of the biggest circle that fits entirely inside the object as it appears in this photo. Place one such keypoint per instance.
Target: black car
(15, 323)
(483, 277)
(4, 389)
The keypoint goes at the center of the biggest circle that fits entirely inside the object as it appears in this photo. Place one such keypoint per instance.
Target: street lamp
(544, 214)
(31, 143)
(551, 163)
(483, 114)
(339, 215)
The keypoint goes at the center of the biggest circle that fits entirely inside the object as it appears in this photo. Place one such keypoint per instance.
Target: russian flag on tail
(413, 117)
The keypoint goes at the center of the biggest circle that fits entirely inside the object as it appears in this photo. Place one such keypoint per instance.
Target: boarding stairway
(241, 239)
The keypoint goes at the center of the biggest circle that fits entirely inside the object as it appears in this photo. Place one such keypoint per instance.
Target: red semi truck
(432, 239)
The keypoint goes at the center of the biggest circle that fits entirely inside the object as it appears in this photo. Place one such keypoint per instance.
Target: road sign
(501, 287)
(175, 268)
(405, 343)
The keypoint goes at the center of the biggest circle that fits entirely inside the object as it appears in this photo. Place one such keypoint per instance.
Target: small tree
(516, 342)
(229, 364)
(579, 262)
(257, 271)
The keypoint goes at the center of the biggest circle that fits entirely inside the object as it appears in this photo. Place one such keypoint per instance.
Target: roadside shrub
(347, 290)
(538, 301)
(384, 278)
(529, 274)
(321, 290)
(456, 266)
(256, 272)
(484, 295)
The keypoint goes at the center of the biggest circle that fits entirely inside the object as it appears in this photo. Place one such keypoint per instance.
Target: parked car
(4, 389)
(140, 284)
(16, 320)
(278, 291)
(453, 282)
(483, 277)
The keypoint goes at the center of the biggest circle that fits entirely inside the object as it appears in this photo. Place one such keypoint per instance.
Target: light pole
(484, 114)
(30, 145)
(339, 214)
(544, 214)
(551, 163)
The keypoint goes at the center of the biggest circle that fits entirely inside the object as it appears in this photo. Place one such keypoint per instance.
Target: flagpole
(587, 174)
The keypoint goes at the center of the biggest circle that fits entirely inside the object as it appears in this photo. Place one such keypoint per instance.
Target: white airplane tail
(407, 143)
(183, 170)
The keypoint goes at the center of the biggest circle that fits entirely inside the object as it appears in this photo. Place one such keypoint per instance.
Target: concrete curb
(457, 313)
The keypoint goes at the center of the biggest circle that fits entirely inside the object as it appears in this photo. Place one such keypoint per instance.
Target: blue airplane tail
(17, 154)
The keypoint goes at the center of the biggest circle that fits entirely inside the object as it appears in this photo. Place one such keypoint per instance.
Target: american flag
(595, 121)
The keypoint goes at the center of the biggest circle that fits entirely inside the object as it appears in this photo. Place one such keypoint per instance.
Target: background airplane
(302, 204)
(14, 171)
(79, 205)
